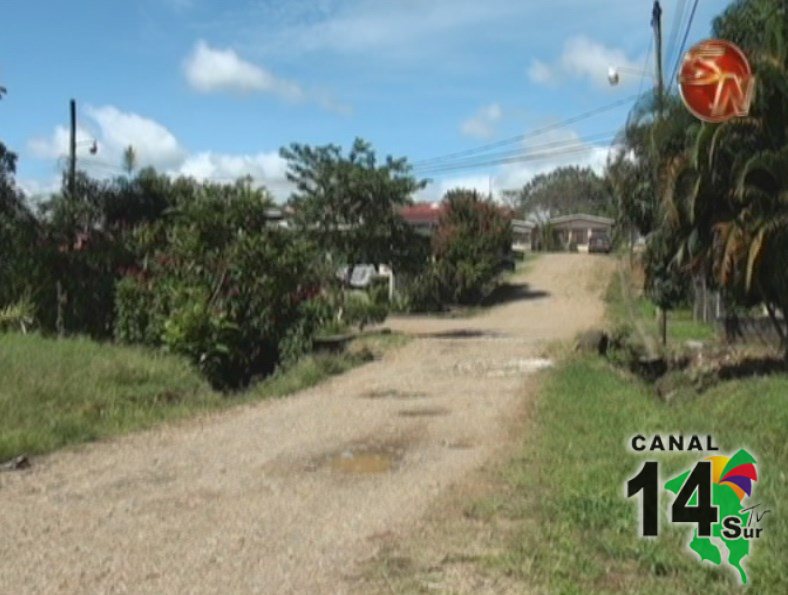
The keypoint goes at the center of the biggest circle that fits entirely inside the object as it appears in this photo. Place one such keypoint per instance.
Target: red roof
(423, 212)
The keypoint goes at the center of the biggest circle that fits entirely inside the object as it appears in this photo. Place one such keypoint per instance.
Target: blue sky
(213, 88)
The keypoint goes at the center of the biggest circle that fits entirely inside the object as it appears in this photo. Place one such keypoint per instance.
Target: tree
(349, 204)
(129, 160)
(563, 191)
(18, 234)
(734, 183)
(472, 238)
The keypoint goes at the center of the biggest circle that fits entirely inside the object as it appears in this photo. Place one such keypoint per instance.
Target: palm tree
(728, 200)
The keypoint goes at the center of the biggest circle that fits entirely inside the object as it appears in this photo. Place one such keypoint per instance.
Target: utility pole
(72, 150)
(656, 23)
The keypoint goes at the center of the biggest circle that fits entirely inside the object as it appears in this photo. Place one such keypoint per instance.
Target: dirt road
(292, 495)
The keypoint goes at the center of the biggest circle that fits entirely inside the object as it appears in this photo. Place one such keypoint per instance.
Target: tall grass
(55, 392)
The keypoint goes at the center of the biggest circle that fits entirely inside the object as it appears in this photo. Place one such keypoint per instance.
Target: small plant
(18, 316)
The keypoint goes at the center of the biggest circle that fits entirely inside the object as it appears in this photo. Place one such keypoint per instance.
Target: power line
(678, 19)
(519, 151)
(645, 64)
(683, 44)
(525, 157)
(533, 133)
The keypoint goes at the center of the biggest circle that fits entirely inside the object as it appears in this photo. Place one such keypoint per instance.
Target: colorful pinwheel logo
(737, 472)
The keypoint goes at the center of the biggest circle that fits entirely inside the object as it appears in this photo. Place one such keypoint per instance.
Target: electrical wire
(645, 64)
(680, 55)
(531, 134)
(578, 147)
(678, 21)
(518, 152)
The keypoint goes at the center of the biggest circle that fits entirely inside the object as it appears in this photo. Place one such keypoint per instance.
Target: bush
(362, 309)
(420, 293)
(232, 294)
(472, 238)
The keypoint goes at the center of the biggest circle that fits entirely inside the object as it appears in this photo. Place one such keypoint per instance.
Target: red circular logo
(716, 81)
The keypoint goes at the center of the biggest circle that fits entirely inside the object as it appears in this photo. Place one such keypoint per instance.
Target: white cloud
(585, 58)
(154, 145)
(482, 124)
(552, 148)
(266, 168)
(539, 72)
(210, 69)
(113, 130)
(362, 26)
(560, 147)
(37, 188)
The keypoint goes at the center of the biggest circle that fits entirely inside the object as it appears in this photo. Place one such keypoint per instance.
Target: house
(423, 217)
(523, 236)
(574, 232)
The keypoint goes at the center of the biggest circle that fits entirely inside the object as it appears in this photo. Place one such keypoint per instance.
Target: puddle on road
(424, 412)
(365, 460)
(390, 393)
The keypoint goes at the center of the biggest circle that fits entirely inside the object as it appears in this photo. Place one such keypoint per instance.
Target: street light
(614, 76)
(93, 145)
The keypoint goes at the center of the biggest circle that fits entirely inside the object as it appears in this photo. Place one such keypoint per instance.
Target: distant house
(574, 232)
(568, 232)
(423, 217)
(523, 235)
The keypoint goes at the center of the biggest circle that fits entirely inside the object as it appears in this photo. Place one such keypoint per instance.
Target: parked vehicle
(599, 243)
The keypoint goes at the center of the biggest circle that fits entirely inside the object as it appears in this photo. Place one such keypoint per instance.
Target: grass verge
(56, 392)
(573, 472)
(575, 530)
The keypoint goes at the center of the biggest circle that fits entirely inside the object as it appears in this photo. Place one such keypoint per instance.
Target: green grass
(623, 305)
(573, 472)
(57, 392)
(575, 530)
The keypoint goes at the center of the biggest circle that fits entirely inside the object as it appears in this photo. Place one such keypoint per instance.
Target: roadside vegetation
(59, 392)
(712, 199)
(141, 298)
(569, 480)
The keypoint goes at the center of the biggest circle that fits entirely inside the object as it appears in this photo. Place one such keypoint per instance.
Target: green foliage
(223, 288)
(563, 191)
(569, 477)
(19, 234)
(420, 292)
(665, 284)
(57, 392)
(348, 204)
(18, 316)
(472, 238)
(362, 308)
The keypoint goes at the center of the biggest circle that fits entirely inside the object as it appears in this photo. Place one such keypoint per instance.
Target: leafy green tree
(472, 238)
(18, 235)
(349, 204)
(728, 197)
(563, 191)
(222, 287)
(129, 160)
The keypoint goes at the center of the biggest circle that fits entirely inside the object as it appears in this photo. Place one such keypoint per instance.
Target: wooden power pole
(72, 152)
(656, 23)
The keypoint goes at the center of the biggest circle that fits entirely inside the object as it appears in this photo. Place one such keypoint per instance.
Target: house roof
(423, 212)
(523, 224)
(581, 217)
